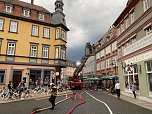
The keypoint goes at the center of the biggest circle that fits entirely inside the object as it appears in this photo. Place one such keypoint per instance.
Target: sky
(88, 21)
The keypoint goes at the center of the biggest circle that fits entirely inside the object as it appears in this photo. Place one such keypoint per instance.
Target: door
(17, 75)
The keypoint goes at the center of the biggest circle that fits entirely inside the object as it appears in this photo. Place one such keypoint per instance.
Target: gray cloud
(88, 21)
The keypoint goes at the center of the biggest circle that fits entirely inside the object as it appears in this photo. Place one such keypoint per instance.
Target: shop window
(149, 74)
(2, 76)
(150, 81)
(131, 77)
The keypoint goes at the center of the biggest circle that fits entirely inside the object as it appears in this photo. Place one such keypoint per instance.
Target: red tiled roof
(25, 4)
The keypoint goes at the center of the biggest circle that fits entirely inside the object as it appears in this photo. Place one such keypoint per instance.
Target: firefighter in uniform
(53, 95)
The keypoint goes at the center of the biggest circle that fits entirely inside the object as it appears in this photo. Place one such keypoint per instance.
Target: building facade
(106, 54)
(134, 42)
(32, 42)
(68, 71)
(89, 69)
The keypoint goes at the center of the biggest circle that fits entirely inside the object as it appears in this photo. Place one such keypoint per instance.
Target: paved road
(91, 106)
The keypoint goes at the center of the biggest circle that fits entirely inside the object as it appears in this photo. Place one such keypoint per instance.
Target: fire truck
(75, 81)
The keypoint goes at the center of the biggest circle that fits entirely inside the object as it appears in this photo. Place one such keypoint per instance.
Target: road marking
(41, 98)
(100, 101)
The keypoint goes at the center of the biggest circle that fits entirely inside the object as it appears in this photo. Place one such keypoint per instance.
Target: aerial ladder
(75, 82)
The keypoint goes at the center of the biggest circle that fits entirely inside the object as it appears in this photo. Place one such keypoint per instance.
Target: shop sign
(128, 69)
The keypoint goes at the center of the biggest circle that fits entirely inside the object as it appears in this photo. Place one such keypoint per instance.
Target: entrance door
(16, 78)
(34, 76)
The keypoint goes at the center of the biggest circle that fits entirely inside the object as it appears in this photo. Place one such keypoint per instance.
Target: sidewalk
(140, 101)
(36, 97)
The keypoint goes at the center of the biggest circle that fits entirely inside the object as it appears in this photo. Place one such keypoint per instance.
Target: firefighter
(53, 95)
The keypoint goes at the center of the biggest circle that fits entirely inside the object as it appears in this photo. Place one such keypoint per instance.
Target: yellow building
(32, 42)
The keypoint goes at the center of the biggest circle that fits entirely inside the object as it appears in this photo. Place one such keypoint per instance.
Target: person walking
(117, 88)
(53, 95)
(134, 88)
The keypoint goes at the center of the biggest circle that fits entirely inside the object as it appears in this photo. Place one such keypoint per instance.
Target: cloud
(88, 21)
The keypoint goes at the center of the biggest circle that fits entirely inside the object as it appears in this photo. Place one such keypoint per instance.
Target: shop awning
(113, 77)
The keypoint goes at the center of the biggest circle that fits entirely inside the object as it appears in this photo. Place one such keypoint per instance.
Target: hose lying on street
(84, 101)
(37, 110)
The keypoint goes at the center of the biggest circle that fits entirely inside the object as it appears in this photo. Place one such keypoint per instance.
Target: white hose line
(100, 101)
(41, 109)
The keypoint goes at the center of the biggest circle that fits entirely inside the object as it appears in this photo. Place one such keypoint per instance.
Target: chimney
(32, 2)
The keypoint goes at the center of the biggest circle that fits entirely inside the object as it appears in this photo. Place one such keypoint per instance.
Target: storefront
(137, 67)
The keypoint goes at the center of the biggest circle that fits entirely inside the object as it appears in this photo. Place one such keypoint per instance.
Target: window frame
(9, 48)
(63, 54)
(132, 17)
(57, 33)
(3, 75)
(12, 29)
(33, 55)
(146, 5)
(46, 34)
(35, 30)
(8, 6)
(26, 12)
(45, 52)
(2, 23)
(42, 16)
(56, 52)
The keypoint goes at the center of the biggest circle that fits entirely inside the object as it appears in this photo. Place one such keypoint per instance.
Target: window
(97, 56)
(108, 63)
(41, 16)
(122, 27)
(45, 52)
(1, 24)
(0, 44)
(127, 23)
(118, 31)
(63, 54)
(131, 77)
(8, 8)
(148, 30)
(46, 33)
(56, 52)
(102, 53)
(26, 12)
(146, 4)
(132, 17)
(57, 34)
(33, 52)
(114, 46)
(149, 74)
(11, 48)
(2, 76)
(98, 66)
(13, 26)
(63, 35)
(35, 30)
(107, 50)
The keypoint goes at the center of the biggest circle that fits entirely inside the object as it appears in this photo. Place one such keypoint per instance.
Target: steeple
(59, 5)
(58, 16)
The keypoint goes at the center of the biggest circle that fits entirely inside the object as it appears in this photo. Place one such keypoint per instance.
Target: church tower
(58, 17)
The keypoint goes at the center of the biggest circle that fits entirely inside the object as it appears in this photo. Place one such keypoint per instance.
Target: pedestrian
(117, 88)
(53, 95)
(134, 88)
(21, 87)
